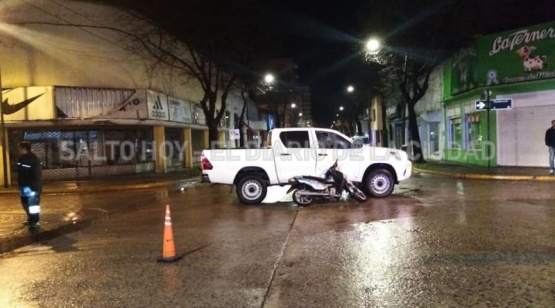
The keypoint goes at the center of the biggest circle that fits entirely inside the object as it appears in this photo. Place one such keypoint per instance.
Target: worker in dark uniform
(29, 180)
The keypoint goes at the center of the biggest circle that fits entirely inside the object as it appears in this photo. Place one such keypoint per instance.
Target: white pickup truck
(304, 151)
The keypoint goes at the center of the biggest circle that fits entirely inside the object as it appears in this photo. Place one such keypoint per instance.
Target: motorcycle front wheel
(357, 193)
(302, 200)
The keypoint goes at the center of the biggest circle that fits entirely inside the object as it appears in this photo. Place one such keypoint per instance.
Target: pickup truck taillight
(206, 165)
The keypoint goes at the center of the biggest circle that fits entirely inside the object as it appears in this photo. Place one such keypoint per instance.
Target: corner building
(90, 105)
(513, 66)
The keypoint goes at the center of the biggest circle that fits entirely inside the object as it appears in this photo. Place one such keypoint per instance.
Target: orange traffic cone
(168, 251)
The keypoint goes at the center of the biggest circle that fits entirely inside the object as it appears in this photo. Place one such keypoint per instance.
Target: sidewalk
(90, 192)
(483, 173)
(69, 206)
(111, 182)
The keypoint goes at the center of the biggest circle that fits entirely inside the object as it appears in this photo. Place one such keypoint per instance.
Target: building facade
(90, 105)
(512, 70)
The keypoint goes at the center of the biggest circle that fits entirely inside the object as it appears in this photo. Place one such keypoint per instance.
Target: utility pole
(488, 108)
(4, 137)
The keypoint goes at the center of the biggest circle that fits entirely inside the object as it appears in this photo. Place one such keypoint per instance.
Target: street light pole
(4, 137)
(488, 108)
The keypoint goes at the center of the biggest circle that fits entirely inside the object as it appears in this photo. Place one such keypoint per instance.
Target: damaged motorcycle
(307, 189)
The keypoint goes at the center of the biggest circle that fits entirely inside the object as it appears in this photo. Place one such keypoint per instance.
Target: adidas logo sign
(158, 104)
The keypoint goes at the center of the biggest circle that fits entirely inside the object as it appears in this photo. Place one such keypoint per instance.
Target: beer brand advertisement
(180, 110)
(525, 54)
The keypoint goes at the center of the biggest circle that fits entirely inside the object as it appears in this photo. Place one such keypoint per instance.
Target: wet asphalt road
(436, 242)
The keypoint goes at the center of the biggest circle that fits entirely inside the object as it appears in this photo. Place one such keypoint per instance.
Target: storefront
(429, 124)
(511, 66)
(84, 132)
(467, 134)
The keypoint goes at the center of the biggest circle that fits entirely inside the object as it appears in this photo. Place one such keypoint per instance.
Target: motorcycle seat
(319, 179)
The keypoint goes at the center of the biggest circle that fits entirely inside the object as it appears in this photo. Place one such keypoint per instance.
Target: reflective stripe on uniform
(23, 165)
(34, 209)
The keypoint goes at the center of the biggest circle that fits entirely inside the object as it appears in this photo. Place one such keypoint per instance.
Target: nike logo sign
(9, 109)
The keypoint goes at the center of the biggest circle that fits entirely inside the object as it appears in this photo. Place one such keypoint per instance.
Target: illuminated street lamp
(300, 114)
(269, 78)
(373, 45)
(341, 108)
(293, 105)
(350, 89)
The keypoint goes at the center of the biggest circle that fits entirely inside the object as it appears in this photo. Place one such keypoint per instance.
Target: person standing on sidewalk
(29, 170)
(550, 142)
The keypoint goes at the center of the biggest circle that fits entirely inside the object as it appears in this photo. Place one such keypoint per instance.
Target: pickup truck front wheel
(251, 189)
(379, 183)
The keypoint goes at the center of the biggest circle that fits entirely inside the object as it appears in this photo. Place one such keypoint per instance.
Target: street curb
(476, 176)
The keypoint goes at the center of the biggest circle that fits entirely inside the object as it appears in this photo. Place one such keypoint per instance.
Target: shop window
(474, 133)
(59, 149)
(434, 138)
(455, 133)
(174, 145)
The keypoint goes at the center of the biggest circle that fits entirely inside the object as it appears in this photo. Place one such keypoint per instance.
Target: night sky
(325, 38)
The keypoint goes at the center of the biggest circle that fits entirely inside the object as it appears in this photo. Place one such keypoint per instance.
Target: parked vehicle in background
(304, 151)
(360, 141)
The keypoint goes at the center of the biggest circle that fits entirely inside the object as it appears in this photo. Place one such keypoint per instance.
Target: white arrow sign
(480, 105)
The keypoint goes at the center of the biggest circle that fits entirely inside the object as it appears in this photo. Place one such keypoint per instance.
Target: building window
(455, 133)
(174, 146)
(474, 132)
(434, 138)
(225, 121)
(60, 149)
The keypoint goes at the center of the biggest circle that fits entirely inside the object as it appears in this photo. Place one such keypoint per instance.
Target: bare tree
(277, 102)
(206, 51)
(411, 53)
(411, 76)
(247, 87)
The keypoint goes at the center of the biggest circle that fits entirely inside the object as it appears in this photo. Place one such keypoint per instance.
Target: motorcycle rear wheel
(302, 200)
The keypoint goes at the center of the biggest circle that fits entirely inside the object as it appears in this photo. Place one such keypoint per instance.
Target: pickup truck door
(331, 147)
(294, 155)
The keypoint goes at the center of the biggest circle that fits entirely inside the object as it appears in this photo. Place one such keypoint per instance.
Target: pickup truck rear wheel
(251, 189)
(379, 183)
